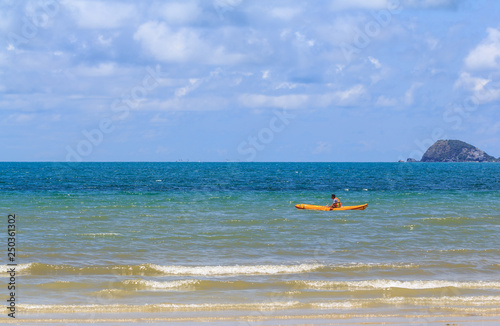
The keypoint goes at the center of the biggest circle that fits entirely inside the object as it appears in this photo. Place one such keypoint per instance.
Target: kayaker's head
(333, 196)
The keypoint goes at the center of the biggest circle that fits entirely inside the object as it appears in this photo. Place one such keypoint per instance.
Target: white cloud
(180, 12)
(286, 85)
(432, 43)
(285, 13)
(487, 54)
(168, 45)
(359, 4)
(158, 119)
(181, 45)
(339, 68)
(104, 41)
(341, 29)
(375, 62)
(346, 97)
(386, 101)
(6, 18)
(481, 88)
(484, 58)
(431, 3)
(302, 40)
(470, 83)
(354, 93)
(209, 103)
(96, 14)
(103, 69)
(226, 5)
(322, 147)
(193, 84)
(22, 117)
(284, 33)
(392, 4)
(410, 93)
(293, 101)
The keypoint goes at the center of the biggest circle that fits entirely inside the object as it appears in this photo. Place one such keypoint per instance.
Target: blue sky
(241, 80)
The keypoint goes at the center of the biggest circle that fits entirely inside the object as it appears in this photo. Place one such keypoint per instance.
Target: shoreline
(320, 319)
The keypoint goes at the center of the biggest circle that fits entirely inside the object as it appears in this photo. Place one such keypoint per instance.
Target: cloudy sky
(246, 80)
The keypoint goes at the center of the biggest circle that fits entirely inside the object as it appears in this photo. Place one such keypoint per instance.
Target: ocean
(177, 241)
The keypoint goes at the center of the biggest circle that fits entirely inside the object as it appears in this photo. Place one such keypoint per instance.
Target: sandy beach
(251, 320)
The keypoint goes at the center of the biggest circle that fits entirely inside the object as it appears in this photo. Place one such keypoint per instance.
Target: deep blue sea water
(179, 239)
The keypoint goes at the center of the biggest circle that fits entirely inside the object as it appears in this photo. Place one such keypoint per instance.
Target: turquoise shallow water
(225, 238)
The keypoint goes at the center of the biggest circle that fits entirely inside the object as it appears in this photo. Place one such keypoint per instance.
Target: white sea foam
(446, 300)
(362, 266)
(207, 270)
(337, 305)
(99, 234)
(18, 268)
(387, 284)
(263, 306)
(162, 285)
(458, 303)
(236, 269)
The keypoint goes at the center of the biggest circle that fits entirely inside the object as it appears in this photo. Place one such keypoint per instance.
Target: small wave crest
(150, 269)
(158, 270)
(477, 304)
(167, 285)
(237, 269)
(389, 284)
(162, 307)
(102, 234)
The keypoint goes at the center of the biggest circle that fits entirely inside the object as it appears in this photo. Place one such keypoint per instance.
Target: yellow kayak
(326, 208)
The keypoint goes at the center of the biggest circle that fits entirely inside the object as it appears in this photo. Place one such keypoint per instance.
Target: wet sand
(326, 319)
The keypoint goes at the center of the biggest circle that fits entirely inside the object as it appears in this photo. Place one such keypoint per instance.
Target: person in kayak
(336, 202)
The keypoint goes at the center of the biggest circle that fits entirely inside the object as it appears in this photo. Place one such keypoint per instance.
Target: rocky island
(455, 151)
